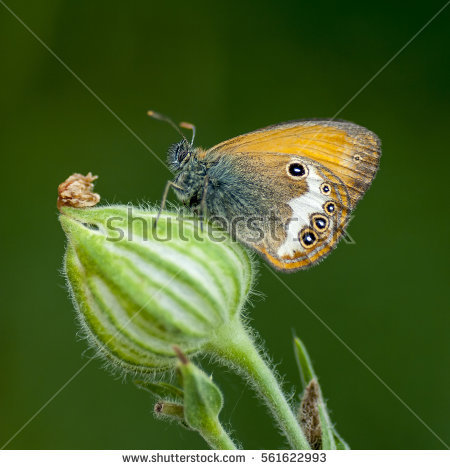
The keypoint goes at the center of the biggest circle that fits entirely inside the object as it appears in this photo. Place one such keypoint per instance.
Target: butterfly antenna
(162, 117)
(188, 125)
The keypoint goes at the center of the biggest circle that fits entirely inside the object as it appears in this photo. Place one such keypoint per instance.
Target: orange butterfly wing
(350, 151)
(343, 154)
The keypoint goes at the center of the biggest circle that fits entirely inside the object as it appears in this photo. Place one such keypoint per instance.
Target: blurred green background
(229, 67)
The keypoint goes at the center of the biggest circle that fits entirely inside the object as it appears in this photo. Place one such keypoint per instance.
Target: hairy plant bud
(141, 287)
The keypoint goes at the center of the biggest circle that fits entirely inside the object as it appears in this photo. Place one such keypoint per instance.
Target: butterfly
(285, 190)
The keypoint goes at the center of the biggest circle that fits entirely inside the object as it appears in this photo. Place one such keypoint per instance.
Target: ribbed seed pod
(140, 289)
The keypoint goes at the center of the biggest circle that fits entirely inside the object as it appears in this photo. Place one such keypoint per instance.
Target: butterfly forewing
(352, 152)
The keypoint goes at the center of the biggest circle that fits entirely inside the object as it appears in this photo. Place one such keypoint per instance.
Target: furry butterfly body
(285, 190)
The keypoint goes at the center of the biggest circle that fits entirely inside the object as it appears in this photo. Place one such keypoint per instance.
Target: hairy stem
(236, 348)
(216, 436)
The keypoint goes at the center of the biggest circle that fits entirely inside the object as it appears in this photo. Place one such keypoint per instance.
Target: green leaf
(328, 442)
(340, 443)
(202, 404)
(202, 399)
(161, 389)
(304, 362)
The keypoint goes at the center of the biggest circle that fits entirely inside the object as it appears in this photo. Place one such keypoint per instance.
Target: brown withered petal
(76, 191)
(309, 415)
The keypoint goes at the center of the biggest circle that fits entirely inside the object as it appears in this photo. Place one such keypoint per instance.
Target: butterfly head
(179, 154)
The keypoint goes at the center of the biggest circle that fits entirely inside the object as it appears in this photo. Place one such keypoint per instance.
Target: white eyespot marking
(303, 207)
(330, 207)
(307, 237)
(356, 157)
(320, 222)
(325, 188)
(296, 170)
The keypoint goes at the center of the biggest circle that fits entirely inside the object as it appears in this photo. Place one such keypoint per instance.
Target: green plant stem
(216, 436)
(234, 346)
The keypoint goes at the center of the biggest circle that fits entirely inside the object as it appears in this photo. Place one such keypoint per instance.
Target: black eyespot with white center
(320, 222)
(325, 188)
(308, 238)
(296, 170)
(330, 207)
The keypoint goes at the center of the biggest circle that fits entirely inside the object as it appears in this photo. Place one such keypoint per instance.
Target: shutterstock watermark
(251, 229)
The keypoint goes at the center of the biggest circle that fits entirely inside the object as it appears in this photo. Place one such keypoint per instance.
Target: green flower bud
(140, 288)
(171, 411)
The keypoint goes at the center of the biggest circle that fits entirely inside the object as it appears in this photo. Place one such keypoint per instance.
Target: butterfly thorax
(190, 169)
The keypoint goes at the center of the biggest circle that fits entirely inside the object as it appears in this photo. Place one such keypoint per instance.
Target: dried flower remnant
(76, 191)
(309, 415)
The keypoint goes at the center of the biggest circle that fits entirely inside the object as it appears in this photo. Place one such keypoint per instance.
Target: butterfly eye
(325, 188)
(296, 170)
(307, 237)
(182, 156)
(330, 208)
(320, 222)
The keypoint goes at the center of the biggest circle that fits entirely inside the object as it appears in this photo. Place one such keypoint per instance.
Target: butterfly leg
(169, 184)
(203, 202)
